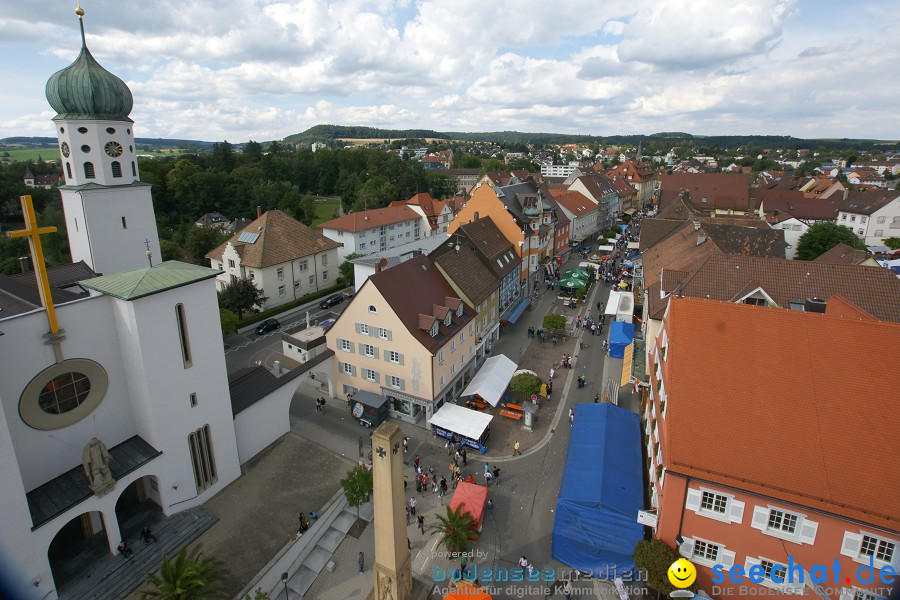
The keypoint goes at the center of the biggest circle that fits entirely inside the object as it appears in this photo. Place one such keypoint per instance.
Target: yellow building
(408, 337)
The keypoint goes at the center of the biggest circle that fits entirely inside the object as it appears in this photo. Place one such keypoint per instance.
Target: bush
(554, 321)
(525, 384)
(655, 557)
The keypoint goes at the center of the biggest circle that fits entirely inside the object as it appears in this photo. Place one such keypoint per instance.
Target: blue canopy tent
(620, 335)
(595, 529)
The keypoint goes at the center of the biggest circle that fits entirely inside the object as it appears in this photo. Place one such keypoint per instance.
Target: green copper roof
(85, 90)
(131, 285)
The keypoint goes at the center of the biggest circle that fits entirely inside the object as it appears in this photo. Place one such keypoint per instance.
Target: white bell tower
(109, 212)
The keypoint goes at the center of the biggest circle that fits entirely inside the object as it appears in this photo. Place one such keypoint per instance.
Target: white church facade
(114, 389)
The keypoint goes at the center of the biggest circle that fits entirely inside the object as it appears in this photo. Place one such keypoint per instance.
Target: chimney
(258, 211)
(816, 305)
(381, 266)
(701, 238)
(696, 225)
(476, 215)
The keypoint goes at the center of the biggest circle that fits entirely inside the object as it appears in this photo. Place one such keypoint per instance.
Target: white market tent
(634, 245)
(462, 421)
(605, 248)
(491, 380)
(612, 304)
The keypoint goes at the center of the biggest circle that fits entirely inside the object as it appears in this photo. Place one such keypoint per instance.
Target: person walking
(596, 398)
(442, 488)
(516, 449)
(552, 372)
(523, 564)
(412, 505)
(407, 513)
(416, 461)
(487, 468)
(405, 445)
(124, 550)
(420, 521)
(567, 589)
(147, 535)
(496, 474)
(463, 454)
(362, 562)
(571, 417)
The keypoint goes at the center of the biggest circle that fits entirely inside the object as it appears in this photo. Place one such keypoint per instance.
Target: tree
(525, 384)
(457, 529)
(201, 240)
(229, 321)
(240, 296)
(554, 321)
(822, 237)
(188, 577)
(170, 250)
(892, 242)
(346, 268)
(358, 486)
(655, 557)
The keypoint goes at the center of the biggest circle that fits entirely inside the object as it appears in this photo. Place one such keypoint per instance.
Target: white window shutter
(727, 559)
(401, 359)
(760, 518)
(735, 511)
(808, 531)
(693, 500)
(749, 562)
(686, 549)
(376, 352)
(850, 544)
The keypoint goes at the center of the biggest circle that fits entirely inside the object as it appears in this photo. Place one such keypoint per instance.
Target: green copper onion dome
(85, 90)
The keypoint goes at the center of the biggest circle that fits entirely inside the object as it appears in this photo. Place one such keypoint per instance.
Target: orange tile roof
(367, 219)
(793, 405)
(576, 203)
(281, 239)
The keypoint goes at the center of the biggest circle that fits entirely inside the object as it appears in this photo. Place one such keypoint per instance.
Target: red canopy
(472, 497)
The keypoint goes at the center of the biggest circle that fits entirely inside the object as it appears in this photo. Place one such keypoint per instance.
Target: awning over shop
(627, 362)
(595, 528)
(634, 245)
(462, 421)
(612, 303)
(630, 211)
(523, 304)
(491, 380)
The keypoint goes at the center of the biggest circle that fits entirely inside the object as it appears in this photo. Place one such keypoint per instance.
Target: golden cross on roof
(33, 233)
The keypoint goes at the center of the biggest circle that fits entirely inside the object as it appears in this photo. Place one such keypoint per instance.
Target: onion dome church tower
(109, 212)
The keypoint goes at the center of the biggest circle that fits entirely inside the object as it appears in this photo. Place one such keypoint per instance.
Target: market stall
(470, 427)
(472, 498)
(492, 379)
(368, 408)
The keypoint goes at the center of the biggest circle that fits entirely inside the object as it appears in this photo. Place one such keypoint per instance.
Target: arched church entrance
(76, 547)
(138, 505)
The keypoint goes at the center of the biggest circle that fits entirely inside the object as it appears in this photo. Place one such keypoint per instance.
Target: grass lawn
(326, 207)
(24, 154)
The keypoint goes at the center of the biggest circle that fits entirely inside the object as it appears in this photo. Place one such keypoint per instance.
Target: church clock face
(113, 149)
(65, 149)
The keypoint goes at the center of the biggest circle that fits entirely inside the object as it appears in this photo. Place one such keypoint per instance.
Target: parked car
(267, 326)
(326, 324)
(331, 300)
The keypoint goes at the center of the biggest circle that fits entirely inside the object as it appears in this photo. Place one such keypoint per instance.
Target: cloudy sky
(265, 69)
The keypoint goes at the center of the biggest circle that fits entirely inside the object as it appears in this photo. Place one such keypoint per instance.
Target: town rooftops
(842, 254)
(866, 203)
(272, 239)
(731, 367)
(490, 242)
(795, 204)
(460, 261)
(576, 203)
(729, 277)
(707, 191)
(368, 219)
(418, 294)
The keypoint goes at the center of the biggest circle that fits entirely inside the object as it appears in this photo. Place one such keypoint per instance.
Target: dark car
(267, 326)
(331, 300)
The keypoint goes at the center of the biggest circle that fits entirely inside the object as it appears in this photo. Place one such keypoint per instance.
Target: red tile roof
(792, 405)
(723, 191)
(842, 254)
(367, 219)
(576, 203)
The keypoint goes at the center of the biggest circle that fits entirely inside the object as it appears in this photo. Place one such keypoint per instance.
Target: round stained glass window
(64, 393)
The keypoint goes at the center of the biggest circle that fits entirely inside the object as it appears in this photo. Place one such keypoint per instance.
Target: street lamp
(284, 580)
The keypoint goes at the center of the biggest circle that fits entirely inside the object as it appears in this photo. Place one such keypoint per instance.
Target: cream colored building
(282, 256)
(406, 336)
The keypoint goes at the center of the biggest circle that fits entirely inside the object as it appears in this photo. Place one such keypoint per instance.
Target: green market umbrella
(576, 274)
(571, 283)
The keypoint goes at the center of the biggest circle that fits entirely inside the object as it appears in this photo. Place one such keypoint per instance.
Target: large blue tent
(620, 335)
(595, 529)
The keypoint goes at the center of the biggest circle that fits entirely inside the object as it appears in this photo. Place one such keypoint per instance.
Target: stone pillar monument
(393, 563)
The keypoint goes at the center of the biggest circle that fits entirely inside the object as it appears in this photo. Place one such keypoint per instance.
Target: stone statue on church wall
(95, 460)
(385, 588)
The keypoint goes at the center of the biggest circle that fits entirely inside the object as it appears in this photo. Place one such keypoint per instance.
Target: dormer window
(447, 319)
(459, 310)
(373, 310)
(434, 329)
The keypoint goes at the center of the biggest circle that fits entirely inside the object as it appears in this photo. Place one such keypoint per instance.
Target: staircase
(113, 578)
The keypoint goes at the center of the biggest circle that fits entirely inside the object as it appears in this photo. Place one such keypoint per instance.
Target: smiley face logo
(682, 573)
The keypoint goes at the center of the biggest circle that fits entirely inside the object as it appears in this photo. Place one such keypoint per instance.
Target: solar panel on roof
(249, 237)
